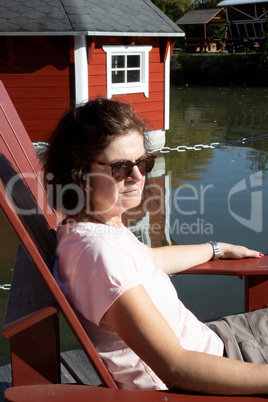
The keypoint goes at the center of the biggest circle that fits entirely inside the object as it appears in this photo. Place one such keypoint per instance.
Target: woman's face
(110, 198)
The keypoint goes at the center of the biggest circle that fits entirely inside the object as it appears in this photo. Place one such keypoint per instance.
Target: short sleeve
(104, 272)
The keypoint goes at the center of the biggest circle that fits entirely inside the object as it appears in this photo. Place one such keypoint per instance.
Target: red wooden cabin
(55, 54)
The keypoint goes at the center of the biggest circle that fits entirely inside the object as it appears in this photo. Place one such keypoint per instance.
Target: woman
(96, 166)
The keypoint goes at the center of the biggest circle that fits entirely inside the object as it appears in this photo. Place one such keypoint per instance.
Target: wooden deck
(75, 369)
(5, 380)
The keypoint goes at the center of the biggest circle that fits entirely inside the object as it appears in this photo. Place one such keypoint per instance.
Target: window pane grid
(126, 68)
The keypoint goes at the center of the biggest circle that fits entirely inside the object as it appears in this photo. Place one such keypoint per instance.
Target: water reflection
(217, 114)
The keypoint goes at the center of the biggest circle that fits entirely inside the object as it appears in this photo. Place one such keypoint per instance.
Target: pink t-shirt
(95, 265)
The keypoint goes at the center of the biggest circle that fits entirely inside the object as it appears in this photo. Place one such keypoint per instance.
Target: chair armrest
(84, 393)
(255, 271)
(15, 328)
(244, 267)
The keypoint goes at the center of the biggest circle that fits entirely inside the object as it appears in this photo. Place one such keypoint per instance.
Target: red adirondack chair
(32, 317)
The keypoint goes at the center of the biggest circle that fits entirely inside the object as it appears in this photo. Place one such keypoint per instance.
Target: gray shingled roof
(84, 16)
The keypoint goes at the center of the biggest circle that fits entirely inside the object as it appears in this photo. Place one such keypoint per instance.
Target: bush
(220, 69)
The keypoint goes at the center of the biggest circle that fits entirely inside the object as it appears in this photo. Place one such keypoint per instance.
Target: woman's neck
(115, 221)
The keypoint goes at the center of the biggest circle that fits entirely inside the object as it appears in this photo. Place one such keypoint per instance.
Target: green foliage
(174, 9)
(217, 31)
(264, 45)
(220, 69)
(206, 4)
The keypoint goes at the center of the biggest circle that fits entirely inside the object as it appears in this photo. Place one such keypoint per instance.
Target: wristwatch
(216, 250)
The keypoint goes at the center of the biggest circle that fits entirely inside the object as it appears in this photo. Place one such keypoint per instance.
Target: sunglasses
(123, 169)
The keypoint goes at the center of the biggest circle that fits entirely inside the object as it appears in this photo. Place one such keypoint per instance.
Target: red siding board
(51, 104)
(40, 114)
(39, 134)
(156, 87)
(97, 74)
(34, 125)
(154, 57)
(156, 77)
(152, 116)
(37, 129)
(152, 112)
(157, 124)
(97, 91)
(26, 81)
(98, 69)
(39, 80)
(38, 92)
(38, 70)
(156, 68)
(97, 81)
(149, 107)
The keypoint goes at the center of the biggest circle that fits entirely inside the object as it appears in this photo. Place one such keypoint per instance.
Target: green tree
(206, 4)
(175, 9)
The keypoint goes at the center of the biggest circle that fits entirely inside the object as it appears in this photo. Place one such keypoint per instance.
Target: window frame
(128, 87)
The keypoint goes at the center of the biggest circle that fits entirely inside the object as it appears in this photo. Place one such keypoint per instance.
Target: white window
(127, 69)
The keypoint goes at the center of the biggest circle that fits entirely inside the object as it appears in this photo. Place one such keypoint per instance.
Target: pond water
(218, 193)
(211, 194)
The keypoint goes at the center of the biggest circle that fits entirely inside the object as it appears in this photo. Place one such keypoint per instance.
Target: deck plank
(75, 369)
(80, 368)
(5, 380)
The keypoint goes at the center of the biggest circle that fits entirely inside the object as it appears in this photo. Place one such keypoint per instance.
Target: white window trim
(128, 88)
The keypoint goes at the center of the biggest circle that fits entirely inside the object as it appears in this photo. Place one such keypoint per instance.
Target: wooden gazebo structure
(206, 17)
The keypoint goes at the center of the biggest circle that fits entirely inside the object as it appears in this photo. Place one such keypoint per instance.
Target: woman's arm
(174, 259)
(139, 323)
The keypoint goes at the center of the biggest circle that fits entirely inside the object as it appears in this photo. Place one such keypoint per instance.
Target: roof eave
(224, 3)
(95, 33)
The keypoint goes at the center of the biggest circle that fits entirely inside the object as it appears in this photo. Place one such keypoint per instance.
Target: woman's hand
(236, 252)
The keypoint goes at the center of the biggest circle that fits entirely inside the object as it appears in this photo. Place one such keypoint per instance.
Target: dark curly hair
(82, 133)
